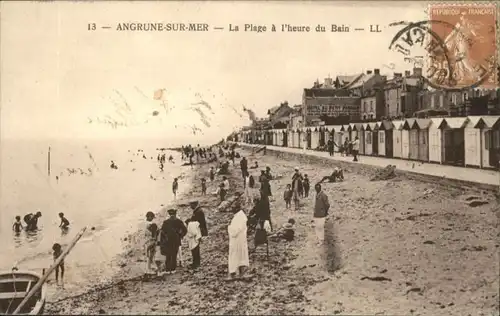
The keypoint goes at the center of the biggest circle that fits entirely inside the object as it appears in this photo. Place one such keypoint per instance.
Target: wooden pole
(44, 278)
(48, 162)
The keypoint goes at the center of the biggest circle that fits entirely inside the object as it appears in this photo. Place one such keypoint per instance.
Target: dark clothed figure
(244, 166)
(263, 209)
(337, 174)
(330, 147)
(172, 232)
(307, 186)
(199, 216)
(265, 186)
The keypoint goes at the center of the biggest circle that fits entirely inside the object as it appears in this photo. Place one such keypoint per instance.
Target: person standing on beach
(248, 184)
(172, 232)
(175, 187)
(307, 186)
(263, 209)
(193, 237)
(321, 207)
(151, 233)
(296, 187)
(355, 148)
(203, 186)
(57, 251)
(225, 181)
(238, 245)
(265, 186)
(244, 166)
(330, 145)
(212, 174)
(199, 216)
(287, 196)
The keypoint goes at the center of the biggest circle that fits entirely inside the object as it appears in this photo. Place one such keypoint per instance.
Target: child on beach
(17, 226)
(151, 237)
(203, 186)
(288, 196)
(306, 185)
(57, 251)
(286, 232)
(64, 221)
(175, 187)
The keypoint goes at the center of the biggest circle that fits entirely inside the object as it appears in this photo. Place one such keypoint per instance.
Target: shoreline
(409, 236)
(131, 249)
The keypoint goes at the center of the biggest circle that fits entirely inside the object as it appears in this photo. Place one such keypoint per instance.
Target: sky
(58, 77)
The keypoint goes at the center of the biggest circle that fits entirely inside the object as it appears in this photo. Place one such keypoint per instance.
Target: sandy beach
(402, 246)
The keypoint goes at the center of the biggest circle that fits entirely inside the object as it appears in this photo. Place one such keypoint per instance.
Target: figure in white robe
(238, 246)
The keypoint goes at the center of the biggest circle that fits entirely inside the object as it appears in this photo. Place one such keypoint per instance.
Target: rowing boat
(15, 286)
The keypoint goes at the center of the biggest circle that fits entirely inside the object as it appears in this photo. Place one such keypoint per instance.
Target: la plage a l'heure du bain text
(252, 28)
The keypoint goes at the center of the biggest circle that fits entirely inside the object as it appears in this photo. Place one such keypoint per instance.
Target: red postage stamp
(469, 34)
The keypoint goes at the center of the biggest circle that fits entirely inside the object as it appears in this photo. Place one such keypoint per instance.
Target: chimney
(368, 72)
(417, 71)
(407, 73)
(376, 71)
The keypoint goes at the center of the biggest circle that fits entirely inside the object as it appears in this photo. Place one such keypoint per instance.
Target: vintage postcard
(249, 157)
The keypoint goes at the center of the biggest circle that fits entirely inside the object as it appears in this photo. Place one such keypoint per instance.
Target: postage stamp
(470, 44)
(456, 45)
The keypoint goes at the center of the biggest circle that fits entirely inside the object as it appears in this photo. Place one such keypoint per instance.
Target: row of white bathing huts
(465, 141)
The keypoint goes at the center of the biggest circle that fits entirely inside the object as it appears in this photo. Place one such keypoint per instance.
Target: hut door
(388, 144)
(309, 139)
(493, 140)
(285, 139)
(375, 143)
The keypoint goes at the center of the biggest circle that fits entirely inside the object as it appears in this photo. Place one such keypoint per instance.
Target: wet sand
(405, 247)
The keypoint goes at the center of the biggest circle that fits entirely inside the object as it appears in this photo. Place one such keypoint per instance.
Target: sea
(111, 203)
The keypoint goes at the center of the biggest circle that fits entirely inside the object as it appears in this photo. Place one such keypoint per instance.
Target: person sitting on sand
(151, 234)
(32, 221)
(64, 221)
(17, 226)
(175, 187)
(225, 181)
(57, 251)
(286, 232)
(238, 246)
(336, 174)
(256, 166)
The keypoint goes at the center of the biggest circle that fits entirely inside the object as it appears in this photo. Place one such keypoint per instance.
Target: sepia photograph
(249, 158)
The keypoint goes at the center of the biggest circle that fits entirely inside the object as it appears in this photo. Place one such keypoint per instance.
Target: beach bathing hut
(405, 138)
(385, 132)
(295, 138)
(490, 134)
(368, 139)
(422, 126)
(361, 135)
(315, 138)
(453, 142)
(350, 128)
(322, 136)
(344, 134)
(308, 138)
(290, 137)
(435, 140)
(473, 142)
(397, 142)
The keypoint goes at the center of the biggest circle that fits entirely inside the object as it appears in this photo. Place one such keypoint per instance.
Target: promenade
(480, 176)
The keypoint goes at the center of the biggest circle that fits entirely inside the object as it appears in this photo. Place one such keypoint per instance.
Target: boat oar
(44, 278)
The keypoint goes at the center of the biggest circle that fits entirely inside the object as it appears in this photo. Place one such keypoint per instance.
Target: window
(441, 101)
(371, 106)
(368, 137)
(465, 97)
(381, 137)
(432, 101)
(454, 98)
(422, 139)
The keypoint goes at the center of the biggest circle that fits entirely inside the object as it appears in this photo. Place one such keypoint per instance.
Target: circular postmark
(445, 50)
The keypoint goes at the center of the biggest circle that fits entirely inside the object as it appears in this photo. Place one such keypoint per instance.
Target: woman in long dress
(238, 245)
